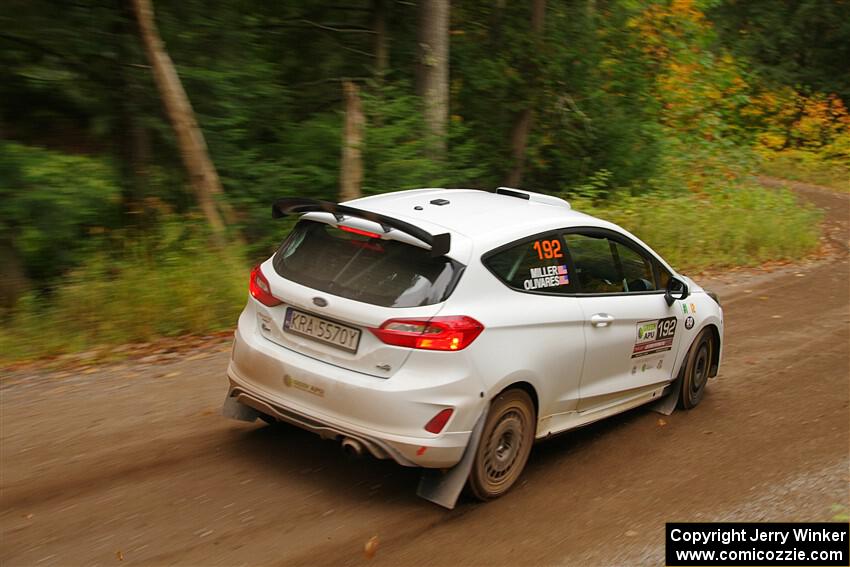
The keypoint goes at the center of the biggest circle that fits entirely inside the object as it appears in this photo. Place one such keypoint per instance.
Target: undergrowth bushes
(808, 167)
(132, 289)
(742, 226)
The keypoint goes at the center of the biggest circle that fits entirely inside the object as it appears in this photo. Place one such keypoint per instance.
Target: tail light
(260, 289)
(439, 421)
(437, 333)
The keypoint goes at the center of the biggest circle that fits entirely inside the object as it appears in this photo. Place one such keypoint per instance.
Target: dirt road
(134, 465)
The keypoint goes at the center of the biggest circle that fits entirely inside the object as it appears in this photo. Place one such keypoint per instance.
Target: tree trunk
(519, 142)
(190, 139)
(351, 175)
(129, 135)
(496, 23)
(433, 71)
(379, 25)
(13, 279)
(525, 118)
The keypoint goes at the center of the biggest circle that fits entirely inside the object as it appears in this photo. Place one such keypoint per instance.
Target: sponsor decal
(654, 336)
(693, 308)
(660, 363)
(684, 308)
(547, 276)
(689, 322)
(291, 382)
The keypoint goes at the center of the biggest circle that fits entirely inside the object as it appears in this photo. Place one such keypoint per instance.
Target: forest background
(141, 145)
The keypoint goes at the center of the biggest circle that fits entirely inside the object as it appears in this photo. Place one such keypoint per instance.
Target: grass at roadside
(808, 167)
(160, 287)
(743, 226)
(172, 284)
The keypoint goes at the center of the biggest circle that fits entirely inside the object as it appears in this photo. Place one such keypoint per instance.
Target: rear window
(387, 273)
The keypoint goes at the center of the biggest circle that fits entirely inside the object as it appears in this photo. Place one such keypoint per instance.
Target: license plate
(321, 330)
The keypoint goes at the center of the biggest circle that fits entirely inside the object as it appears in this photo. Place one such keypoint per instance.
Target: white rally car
(450, 329)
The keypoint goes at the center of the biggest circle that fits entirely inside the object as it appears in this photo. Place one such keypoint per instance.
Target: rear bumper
(387, 416)
(376, 447)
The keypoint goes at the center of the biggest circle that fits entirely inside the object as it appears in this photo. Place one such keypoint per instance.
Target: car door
(630, 332)
(540, 320)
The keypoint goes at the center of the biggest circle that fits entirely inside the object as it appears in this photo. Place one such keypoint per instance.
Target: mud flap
(443, 488)
(667, 404)
(235, 410)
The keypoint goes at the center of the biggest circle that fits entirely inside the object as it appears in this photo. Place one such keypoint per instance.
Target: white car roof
(488, 219)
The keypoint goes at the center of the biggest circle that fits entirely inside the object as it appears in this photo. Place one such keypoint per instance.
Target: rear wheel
(695, 370)
(505, 445)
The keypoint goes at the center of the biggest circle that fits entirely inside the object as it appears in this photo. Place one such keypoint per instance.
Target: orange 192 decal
(548, 249)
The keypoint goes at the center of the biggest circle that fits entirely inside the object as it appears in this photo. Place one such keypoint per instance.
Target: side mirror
(677, 289)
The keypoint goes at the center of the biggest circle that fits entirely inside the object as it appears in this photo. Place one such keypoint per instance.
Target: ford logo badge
(320, 302)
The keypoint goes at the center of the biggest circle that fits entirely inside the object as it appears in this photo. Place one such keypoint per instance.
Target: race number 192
(666, 327)
(548, 249)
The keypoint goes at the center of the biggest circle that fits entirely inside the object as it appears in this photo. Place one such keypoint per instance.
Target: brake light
(358, 231)
(439, 421)
(438, 333)
(260, 289)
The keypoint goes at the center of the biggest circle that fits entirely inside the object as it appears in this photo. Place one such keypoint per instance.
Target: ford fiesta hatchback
(450, 329)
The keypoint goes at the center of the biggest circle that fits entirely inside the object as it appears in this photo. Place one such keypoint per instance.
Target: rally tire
(505, 444)
(695, 370)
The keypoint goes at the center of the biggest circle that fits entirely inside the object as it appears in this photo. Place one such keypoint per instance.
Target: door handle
(601, 320)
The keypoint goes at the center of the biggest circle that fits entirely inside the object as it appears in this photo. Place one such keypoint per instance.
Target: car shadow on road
(323, 463)
(288, 450)
(576, 441)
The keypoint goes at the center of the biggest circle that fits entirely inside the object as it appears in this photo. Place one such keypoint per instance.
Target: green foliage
(799, 42)
(49, 201)
(395, 147)
(134, 288)
(590, 90)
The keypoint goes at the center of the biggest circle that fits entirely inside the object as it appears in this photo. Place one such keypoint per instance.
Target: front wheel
(505, 445)
(695, 370)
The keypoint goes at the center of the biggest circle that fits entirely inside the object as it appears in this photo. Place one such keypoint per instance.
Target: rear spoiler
(439, 243)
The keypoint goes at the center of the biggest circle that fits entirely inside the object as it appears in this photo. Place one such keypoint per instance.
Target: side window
(538, 265)
(637, 270)
(663, 276)
(593, 258)
(605, 266)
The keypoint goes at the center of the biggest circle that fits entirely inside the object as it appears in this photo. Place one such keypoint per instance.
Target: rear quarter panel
(528, 337)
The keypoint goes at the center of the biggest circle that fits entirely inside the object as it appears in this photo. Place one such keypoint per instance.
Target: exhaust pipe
(352, 447)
